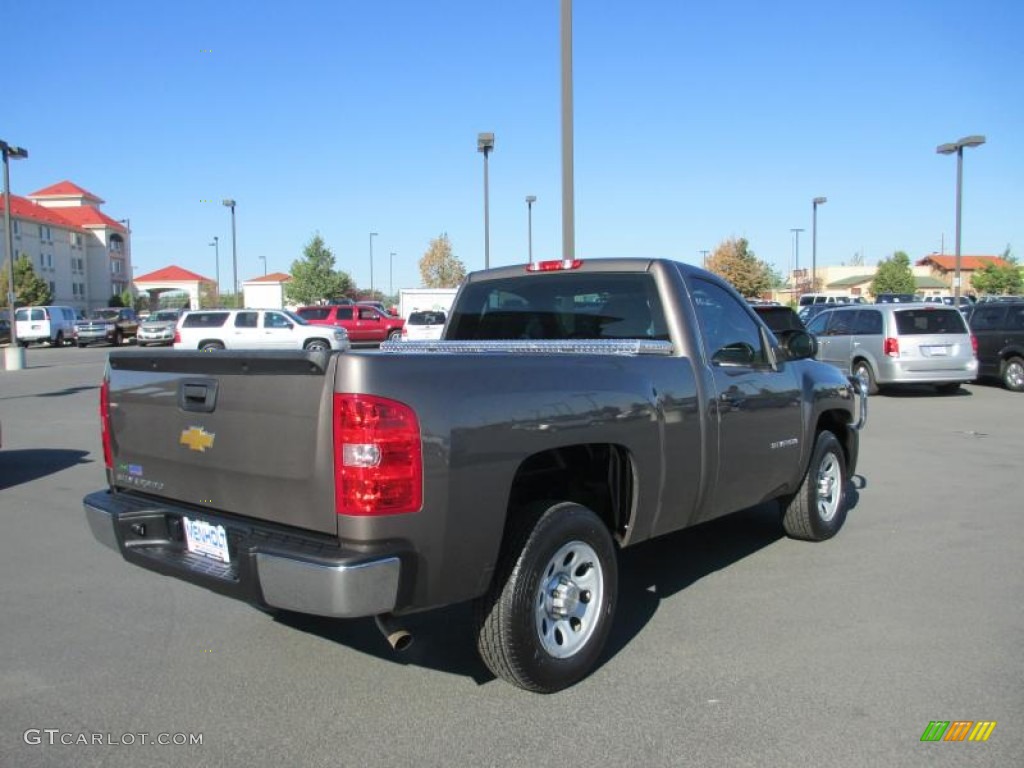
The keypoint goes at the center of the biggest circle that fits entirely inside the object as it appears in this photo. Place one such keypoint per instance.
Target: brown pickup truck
(573, 409)
(112, 325)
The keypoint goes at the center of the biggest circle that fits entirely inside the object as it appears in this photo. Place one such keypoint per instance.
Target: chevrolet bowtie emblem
(197, 439)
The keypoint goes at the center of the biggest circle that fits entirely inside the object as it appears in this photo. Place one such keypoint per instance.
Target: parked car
(112, 325)
(895, 298)
(159, 327)
(809, 299)
(54, 325)
(885, 344)
(999, 328)
(5, 330)
(424, 326)
(214, 329)
(810, 311)
(363, 323)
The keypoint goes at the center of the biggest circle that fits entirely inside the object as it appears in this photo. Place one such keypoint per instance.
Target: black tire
(862, 370)
(82, 345)
(526, 633)
(210, 346)
(117, 338)
(810, 514)
(317, 345)
(948, 389)
(59, 341)
(1013, 374)
(395, 336)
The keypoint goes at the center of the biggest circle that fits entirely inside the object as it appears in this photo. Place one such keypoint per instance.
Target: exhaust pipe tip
(399, 638)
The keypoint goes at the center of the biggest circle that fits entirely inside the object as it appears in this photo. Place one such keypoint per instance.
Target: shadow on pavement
(24, 466)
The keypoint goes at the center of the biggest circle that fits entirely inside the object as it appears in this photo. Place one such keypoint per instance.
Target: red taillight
(177, 336)
(892, 347)
(554, 266)
(108, 452)
(378, 462)
(974, 344)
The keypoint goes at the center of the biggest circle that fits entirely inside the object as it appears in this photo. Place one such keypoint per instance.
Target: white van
(824, 298)
(55, 325)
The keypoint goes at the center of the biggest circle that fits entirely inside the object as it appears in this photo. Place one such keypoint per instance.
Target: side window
(841, 325)
(817, 325)
(987, 318)
(368, 314)
(1016, 319)
(731, 337)
(246, 320)
(344, 313)
(275, 320)
(868, 323)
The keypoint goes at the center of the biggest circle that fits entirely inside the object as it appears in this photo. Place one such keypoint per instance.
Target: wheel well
(209, 341)
(836, 423)
(597, 475)
(316, 338)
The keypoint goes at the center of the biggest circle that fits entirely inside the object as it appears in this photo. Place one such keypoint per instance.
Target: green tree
(439, 268)
(734, 261)
(894, 275)
(314, 277)
(29, 288)
(997, 281)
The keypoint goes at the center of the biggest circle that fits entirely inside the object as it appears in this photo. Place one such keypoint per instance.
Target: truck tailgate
(246, 433)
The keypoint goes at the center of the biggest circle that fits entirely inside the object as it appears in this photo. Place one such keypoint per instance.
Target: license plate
(205, 539)
(938, 351)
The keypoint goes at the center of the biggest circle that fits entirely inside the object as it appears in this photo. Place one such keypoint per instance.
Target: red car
(363, 322)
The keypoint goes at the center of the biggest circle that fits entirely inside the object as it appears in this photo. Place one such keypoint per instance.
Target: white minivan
(55, 325)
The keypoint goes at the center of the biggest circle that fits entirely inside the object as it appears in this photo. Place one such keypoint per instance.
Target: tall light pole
(568, 211)
(796, 258)
(530, 200)
(234, 250)
(216, 256)
(485, 144)
(704, 258)
(391, 275)
(372, 235)
(814, 241)
(264, 260)
(15, 355)
(949, 149)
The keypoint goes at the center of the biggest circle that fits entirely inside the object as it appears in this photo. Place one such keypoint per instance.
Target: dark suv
(999, 328)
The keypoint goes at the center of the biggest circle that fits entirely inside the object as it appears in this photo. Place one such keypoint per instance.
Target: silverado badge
(197, 439)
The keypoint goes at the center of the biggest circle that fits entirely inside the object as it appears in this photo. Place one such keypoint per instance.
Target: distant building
(943, 267)
(266, 292)
(195, 290)
(82, 253)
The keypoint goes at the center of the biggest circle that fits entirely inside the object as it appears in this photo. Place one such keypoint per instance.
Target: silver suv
(898, 344)
(213, 329)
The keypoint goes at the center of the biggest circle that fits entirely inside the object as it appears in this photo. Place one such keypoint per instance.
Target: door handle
(197, 395)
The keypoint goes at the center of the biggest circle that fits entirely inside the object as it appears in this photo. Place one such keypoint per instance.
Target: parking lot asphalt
(733, 645)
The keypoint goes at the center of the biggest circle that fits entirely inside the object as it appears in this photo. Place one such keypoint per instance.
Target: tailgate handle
(197, 395)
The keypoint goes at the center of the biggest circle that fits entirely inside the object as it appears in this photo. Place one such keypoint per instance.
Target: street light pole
(15, 355)
(485, 144)
(948, 149)
(796, 259)
(568, 211)
(372, 235)
(264, 260)
(391, 275)
(814, 241)
(530, 200)
(234, 250)
(704, 258)
(216, 255)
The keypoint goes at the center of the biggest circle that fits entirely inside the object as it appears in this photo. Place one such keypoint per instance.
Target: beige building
(84, 254)
(265, 292)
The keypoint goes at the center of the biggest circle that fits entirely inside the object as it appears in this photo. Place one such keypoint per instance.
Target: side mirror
(798, 345)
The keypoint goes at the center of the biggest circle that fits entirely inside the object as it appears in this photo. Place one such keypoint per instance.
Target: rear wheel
(862, 370)
(210, 346)
(1013, 374)
(544, 621)
(59, 341)
(818, 509)
(395, 336)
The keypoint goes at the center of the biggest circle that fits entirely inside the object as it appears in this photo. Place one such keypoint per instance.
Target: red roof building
(84, 254)
(943, 267)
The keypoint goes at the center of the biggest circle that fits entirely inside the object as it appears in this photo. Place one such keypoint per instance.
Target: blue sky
(694, 123)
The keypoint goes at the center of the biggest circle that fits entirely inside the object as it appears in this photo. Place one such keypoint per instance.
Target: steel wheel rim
(1015, 374)
(829, 486)
(569, 600)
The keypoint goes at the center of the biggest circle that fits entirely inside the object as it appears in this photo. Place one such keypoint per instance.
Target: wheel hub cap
(570, 598)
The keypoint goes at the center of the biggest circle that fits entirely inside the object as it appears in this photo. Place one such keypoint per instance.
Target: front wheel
(1013, 374)
(317, 345)
(59, 341)
(818, 509)
(544, 621)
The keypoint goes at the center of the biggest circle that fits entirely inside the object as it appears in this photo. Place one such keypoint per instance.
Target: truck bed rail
(627, 347)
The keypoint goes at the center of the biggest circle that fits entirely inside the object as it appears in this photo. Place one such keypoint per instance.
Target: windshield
(163, 316)
(104, 314)
(297, 318)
